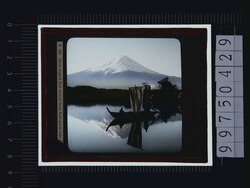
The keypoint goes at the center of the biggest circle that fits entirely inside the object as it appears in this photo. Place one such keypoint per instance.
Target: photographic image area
(124, 95)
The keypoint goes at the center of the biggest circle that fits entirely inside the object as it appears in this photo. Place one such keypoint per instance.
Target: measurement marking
(28, 31)
(30, 44)
(30, 157)
(29, 54)
(30, 125)
(30, 76)
(30, 28)
(30, 86)
(31, 112)
(28, 165)
(21, 24)
(29, 151)
(28, 135)
(23, 106)
(30, 119)
(20, 139)
(29, 69)
(30, 99)
(30, 175)
(30, 66)
(29, 60)
(33, 150)
(29, 51)
(29, 131)
(30, 180)
(28, 80)
(21, 90)
(29, 142)
(29, 95)
(34, 101)
(29, 41)
(34, 128)
(19, 156)
(22, 122)
(27, 116)
(33, 185)
(29, 38)
(29, 47)
(28, 162)
(29, 34)
(22, 73)
(27, 178)
(34, 145)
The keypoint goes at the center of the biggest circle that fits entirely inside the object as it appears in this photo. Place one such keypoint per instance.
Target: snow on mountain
(122, 64)
(120, 73)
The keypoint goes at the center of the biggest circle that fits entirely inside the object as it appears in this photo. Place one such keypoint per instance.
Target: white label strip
(229, 96)
(60, 112)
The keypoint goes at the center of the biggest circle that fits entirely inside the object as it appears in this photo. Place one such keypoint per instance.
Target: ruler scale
(25, 171)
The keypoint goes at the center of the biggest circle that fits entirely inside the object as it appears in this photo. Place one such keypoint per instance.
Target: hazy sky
(162, 55)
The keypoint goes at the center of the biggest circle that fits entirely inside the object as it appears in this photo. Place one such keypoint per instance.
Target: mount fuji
(120, 73)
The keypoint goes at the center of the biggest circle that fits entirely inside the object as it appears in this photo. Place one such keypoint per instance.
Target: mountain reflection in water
(93, 129)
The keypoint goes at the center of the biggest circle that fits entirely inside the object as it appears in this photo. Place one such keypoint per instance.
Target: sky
(162, 55)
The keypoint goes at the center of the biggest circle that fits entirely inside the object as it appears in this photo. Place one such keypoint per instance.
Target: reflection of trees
(137, 122)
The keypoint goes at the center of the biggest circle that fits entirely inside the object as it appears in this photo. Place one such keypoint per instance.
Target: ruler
(20, 104)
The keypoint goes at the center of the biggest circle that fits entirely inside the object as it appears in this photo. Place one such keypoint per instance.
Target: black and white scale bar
(29, 130)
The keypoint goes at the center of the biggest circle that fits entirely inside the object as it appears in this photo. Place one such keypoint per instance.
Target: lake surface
(87, 132)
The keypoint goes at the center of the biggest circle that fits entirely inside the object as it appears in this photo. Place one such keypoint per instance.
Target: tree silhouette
(168, 98)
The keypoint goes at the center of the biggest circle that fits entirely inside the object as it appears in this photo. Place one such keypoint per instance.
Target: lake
(87, 132)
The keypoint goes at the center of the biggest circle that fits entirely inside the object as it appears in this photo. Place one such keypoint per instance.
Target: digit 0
(225, 89)
(9, 24)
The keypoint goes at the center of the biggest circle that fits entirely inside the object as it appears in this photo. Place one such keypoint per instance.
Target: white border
(209, 100)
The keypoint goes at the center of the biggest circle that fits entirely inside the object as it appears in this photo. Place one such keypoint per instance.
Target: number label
(10, 139)
(9, 24)
(224, 104)
(225, 89)
(224, 42)
(9, 123)
(9, 156)
(224, 119)
(10, 172)
(225, 149)
(224, 58)
(224, 74)
(225, 134)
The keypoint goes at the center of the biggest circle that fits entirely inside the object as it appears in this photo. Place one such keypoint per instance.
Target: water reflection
(137, 120)
(93, 129)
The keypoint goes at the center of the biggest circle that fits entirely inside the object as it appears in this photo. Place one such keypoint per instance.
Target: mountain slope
(121, 72)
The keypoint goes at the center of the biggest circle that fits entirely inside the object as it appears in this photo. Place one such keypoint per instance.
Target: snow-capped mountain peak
(122, 64)
(121, 72)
